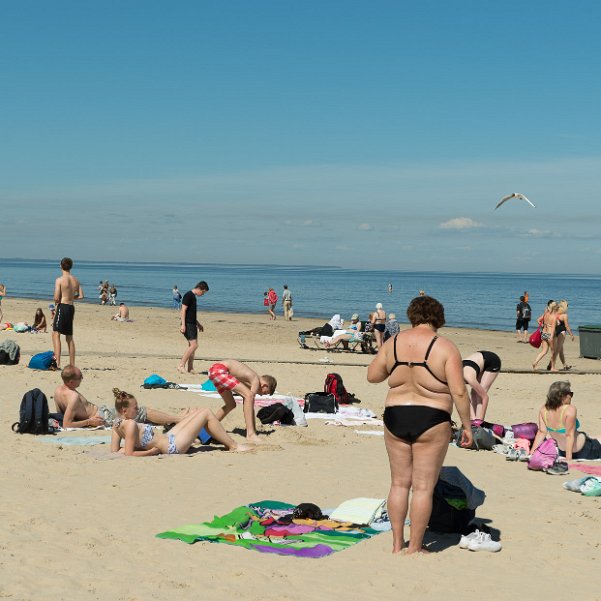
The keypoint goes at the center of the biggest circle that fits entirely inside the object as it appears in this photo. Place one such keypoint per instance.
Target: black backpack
(33, 414)
(445, 517)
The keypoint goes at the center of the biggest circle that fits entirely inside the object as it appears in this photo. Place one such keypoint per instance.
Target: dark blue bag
(33, 414)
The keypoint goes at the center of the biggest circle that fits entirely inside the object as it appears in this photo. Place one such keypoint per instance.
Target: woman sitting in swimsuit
(141, 440)
(547, 321)
(39, 321)
(558, 418)
(425, 377)
(480, 370)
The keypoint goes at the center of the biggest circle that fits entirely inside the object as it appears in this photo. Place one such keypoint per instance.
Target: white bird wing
(529, 202)
(504, 200)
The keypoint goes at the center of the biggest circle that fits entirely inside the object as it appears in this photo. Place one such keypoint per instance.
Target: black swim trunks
(191, 332)
(63, 319)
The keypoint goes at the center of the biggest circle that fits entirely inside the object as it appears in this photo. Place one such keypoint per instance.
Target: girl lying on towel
(141, 440)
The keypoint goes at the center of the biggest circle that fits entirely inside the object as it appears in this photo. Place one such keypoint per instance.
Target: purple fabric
(314, 552)
(282, 530)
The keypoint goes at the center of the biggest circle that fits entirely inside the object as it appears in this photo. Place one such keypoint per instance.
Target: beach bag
(449, 509)
(276, 413)
(43, 361)
(484, 439)
(334, 385)
(320, 402)
(535, 339)
(33, 413)
(527, 430)
(544, 456)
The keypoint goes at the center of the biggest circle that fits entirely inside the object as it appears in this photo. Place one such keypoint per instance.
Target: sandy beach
(81, 524)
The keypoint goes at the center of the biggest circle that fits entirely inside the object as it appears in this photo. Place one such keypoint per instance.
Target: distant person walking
(547, 321)
(523, 316)
(190, 326)
(561, 328)
(379, 321)
(287, 303)
(66, 290)
(272, 299)
(177, 297)
(2, 295)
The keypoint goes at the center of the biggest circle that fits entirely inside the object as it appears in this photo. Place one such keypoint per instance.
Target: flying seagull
(514, 195)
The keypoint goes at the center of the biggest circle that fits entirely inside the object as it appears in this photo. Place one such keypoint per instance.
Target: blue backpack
(43, 361)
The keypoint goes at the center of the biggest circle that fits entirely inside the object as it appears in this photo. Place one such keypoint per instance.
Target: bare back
(73, 404)
(241, 372)
(66, 289)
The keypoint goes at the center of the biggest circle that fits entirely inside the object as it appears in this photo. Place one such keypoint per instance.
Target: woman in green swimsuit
(558, 419)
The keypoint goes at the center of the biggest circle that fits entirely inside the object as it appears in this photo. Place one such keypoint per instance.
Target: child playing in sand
(141, 440)
(231, 376)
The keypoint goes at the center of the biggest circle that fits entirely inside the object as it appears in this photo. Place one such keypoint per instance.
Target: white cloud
(459, 223)
(366, 227)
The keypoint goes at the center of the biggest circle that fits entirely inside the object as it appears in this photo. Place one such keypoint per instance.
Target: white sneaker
(484, 543)
(466, 539)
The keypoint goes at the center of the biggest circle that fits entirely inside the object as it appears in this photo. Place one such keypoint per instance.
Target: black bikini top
(423, 363)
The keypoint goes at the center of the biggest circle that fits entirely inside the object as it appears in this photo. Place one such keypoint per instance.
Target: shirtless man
(78, 412)
(66, 289)
(231, 376)
(122, 314)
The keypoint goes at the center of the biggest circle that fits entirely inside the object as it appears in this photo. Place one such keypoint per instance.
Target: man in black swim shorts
(66, 289)
(190, 326)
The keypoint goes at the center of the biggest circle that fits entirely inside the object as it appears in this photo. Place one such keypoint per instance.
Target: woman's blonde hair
(562, 306)
(122, 399)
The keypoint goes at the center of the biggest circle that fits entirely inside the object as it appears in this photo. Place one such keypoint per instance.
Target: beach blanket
(75, 440)
(266, 527)
(595, 470)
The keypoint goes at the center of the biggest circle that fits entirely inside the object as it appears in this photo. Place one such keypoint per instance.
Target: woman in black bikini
(480, 370)
(425, 377)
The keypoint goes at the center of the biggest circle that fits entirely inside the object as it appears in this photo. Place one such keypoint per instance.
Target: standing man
(523, 316)
(66, 289)
(190, 326)
(287, 303)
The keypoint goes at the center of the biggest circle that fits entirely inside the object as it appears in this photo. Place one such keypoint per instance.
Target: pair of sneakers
(479, 541)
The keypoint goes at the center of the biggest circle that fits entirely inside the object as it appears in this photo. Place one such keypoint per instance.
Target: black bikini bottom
(409, 422)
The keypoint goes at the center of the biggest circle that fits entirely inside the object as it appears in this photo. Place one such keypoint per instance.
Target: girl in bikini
(547, 321)
(141, 440)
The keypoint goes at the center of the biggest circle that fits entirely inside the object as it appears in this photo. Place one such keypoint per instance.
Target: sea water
(471, 300)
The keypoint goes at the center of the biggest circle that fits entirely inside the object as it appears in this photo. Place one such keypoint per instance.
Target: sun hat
(355, 317)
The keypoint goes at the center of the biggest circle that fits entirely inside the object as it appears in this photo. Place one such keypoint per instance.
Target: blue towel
(75, 440)
(208, 386)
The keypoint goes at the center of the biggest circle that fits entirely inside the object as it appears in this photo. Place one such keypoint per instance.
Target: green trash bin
(590, 341)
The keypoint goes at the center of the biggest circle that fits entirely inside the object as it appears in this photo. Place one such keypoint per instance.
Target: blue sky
(362, 134)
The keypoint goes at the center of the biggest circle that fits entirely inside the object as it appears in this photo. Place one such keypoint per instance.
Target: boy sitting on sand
(231, 376)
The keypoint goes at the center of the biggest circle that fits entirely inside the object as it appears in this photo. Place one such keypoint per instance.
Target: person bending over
(142, 441)
(231, 376)
(480, 370)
